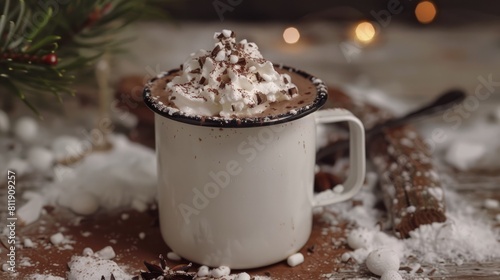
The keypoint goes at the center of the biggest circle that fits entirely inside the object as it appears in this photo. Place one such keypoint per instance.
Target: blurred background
(407, 49)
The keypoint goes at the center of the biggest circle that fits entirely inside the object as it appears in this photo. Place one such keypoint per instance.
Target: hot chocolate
(233, 82)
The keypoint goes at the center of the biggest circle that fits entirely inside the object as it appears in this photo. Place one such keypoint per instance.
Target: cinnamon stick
(411, 186)
(412, 190)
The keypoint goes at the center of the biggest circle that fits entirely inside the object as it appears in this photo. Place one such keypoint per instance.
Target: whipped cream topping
(231, 80)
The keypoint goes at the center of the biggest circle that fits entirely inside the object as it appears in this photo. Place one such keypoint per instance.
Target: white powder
(464, 237)
(44, 277)
(94, 268)
(124, 177)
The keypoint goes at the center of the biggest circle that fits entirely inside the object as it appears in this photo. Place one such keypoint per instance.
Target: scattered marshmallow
(88, 252)
(28, 243)
(391, 275)
(57, 238)
(65, 147)
(220, 271)
(345, 257)
(19, 166)
(173, 256)
(31, 210)
(411, 209)
(358, 238)
(106, 253)
(125, 216)
(203, 271)
(295, 259)
(84, 204)
(491, 203)
(242, 276)
(142, 235)
(338, 189)
(94, 268)
(4, 122)
(26, 129)
(40, 158)
(139, 205)
(382, 260)
(5, 267)
(465, 155)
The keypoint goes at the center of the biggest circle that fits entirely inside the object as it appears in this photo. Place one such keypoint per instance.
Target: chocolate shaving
(292, 91)
(259, 77)
(242, 61)
(261, 98)
(215, 51)
(195, 71)
(220, 36)
(201, 61)
(202, 80)
(232, 108)
(285, 80)
(181, 67)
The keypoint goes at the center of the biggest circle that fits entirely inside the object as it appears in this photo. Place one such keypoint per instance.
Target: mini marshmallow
(242, 276)
(40, 158)
(106, 253)
(88, 252)
(84, 204)
(382, 260)
(19, 166)
(220, 271)
(203, 271)
(65, 147)
(226, 33)
(345, 257)
(173, 256)
(28, 243)
(57, 238)
(465, 155)
(359, 238)
(142, 235)
(139, 205)
(125, 216)
(391, 275)
(4, 122)
(338, 189)
(295, 259)
(233, 59)
(491, 203)
(26, 129)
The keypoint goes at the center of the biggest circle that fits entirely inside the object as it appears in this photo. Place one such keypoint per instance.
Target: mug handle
(356, 176)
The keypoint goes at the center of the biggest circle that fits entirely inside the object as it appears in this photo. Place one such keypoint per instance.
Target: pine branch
(41, 47)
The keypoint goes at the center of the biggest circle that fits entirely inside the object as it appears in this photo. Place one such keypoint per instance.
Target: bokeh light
(365, 31)
(291, 35)
(425, 12)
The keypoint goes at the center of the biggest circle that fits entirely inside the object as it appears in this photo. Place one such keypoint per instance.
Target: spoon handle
(443, 102)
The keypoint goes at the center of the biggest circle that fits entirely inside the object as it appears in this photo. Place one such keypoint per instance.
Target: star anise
(178, 272)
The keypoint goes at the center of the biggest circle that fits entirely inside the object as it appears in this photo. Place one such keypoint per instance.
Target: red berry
(50, 59)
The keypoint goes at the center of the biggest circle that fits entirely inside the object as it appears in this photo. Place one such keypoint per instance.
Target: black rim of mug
(320, 100)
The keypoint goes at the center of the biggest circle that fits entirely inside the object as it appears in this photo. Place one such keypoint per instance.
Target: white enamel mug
(240, 194)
